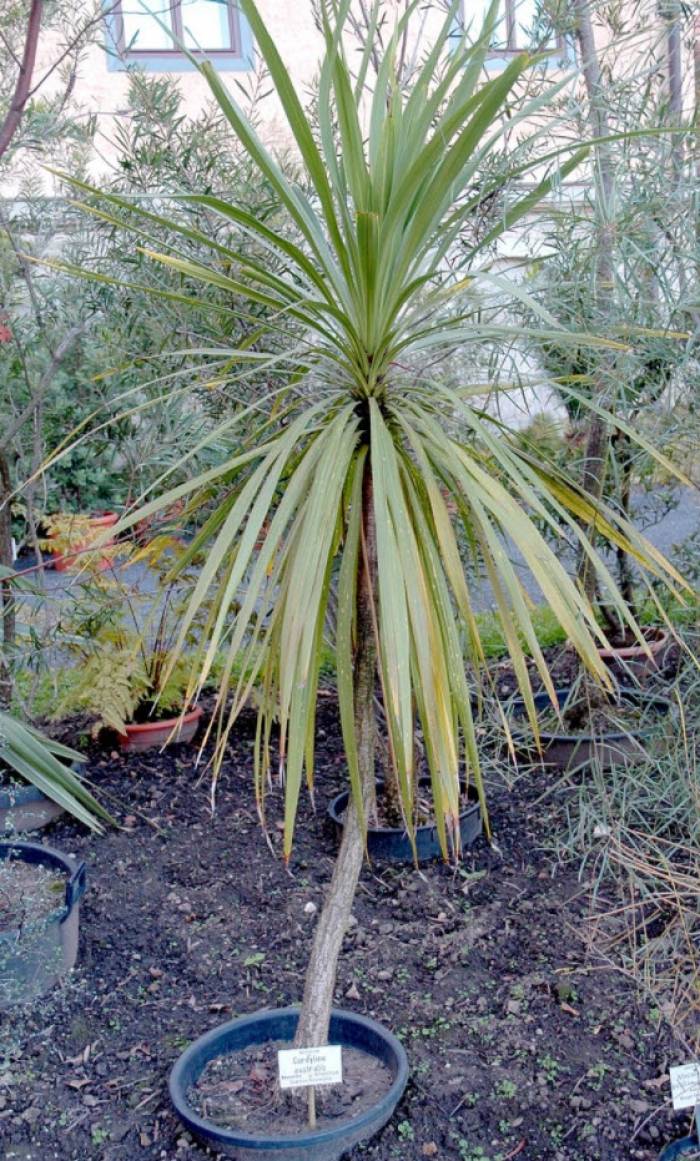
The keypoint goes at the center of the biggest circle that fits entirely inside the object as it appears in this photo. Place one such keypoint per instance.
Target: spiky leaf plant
(44, 763)
(350, 473)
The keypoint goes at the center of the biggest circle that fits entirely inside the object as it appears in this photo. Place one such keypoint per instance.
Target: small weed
(99, 1135)
(550, 1067)
(469, 1152)
(596, 1074)
(506, 1089)
(405, 1131)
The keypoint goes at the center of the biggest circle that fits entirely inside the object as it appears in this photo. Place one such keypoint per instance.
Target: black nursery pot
(685, 1147)
(346, 1028)
(34, 956)
(606, 747)
(393, 845)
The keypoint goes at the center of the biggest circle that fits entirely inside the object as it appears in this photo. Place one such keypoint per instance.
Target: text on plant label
(301, 1067)
(685, 1085)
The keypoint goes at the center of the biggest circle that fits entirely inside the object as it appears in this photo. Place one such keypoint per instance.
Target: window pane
(474, 15)
(205, 24)
(532, 26)
(141, 30)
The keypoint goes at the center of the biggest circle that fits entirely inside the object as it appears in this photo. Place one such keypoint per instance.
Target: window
(148, 32)
(522, 25)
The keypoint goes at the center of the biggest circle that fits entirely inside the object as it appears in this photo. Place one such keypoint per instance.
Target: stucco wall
(100, 90)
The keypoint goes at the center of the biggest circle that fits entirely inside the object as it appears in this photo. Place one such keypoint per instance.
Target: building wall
(100, 89)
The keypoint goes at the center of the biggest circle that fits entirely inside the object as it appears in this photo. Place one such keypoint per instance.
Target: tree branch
(24, 79)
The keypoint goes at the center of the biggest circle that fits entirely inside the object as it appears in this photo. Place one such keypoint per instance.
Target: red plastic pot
(154, 735)
(65, 561)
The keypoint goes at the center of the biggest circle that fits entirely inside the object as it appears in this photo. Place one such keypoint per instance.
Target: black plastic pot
(607, 749)
(346, 1029)
(36, 955)
(683, 1147)
(393, 845)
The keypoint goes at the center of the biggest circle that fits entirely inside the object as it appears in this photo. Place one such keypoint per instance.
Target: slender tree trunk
(319, 985)
(674, 56)
(596, 451)
(21, 95)
(696, 111)
(7, 601)
(624, 565)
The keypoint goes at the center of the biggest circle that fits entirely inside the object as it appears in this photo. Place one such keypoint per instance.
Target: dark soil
(423, 815)
(9, 780)
(149, 711)
(240, 1091)
(28, 893)
(520, 1045)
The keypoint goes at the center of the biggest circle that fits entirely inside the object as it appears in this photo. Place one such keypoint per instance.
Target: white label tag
(301, 1067)
(685, 1085)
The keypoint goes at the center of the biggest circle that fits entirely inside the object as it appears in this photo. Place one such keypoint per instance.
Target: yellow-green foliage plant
(353, 465)
(31, 757)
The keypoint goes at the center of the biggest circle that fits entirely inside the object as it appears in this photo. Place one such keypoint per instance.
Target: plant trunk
(596, 451)
(314, 1020)
(624, 564)
(597, 448)
(674, 57)
(22, 92)
(7, 600)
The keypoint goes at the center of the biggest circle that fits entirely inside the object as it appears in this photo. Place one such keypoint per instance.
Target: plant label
(685, 1085)
(302, 1067)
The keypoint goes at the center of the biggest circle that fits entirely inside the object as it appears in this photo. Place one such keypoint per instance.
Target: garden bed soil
(520, 1044)
(240, 1091)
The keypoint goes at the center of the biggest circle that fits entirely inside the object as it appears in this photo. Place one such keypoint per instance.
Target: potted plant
(39, 779)
(121, 639)
(623, 729)
(610, 266)
(348, 471)
(71, 537)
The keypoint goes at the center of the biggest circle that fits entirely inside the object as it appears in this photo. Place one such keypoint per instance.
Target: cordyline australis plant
(350, 474)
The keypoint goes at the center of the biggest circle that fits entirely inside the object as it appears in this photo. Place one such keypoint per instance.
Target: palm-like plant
(349, 472)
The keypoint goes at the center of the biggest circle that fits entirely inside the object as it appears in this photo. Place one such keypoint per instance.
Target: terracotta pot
(631, 661)
(153, 735)
(65, 561)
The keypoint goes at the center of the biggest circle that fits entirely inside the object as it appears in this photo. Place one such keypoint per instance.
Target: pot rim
(36, 854)
(27, 792)
(630, 652)
(163, 723)
(219, 1133)
(336, 806)
(629, 692)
